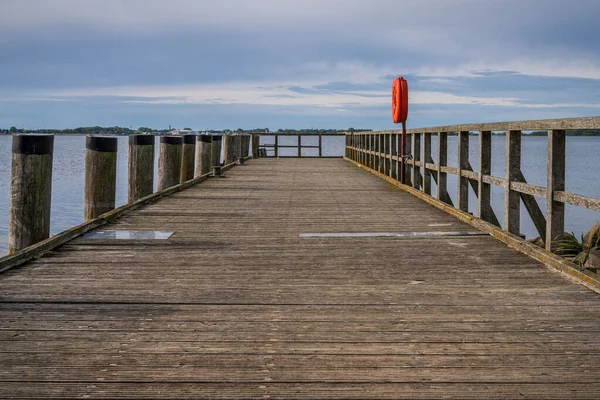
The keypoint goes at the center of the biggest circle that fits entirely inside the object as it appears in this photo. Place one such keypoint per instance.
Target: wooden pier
(239, 304)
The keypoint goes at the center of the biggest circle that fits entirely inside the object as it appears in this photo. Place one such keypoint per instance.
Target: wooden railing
(380, 151)
(273, 149)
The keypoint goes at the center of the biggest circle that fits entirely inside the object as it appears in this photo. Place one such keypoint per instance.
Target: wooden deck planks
(237, 305)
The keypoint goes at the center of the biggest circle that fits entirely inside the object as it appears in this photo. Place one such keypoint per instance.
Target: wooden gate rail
(272, 150)
(380, 150)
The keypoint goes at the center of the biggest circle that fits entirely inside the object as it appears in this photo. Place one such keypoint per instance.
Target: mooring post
(169, 161)
(255, 145)
(30, 190)
(215, 154)
(229, 149)
(141, 166)
(246, 148)
(188, 158)
(204, 154)
(100, 175)
(237, 147)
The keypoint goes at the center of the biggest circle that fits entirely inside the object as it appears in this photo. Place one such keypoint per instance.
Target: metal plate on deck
(391, 234)
(128, 235)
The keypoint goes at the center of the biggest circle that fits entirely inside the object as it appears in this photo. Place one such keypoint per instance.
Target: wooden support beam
(533, 208)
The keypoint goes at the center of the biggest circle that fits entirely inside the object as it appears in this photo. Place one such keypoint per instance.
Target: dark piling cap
(217, 138)
(33, 144)
(189, 139)
(171, 139)
(141, 140)
(105, 144)
(205, 138)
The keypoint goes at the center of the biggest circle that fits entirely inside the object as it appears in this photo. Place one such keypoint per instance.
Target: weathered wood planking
(237, 305)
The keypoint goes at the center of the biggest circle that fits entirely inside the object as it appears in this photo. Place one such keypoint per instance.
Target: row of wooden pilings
(181, 158)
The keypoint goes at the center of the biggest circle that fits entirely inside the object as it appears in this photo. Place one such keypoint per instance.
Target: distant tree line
(84, 130)
(117, 130)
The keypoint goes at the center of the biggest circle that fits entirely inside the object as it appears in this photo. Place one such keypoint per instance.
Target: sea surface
(583, 162)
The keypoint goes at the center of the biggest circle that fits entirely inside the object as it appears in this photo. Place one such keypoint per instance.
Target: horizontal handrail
(530, 125)
(380, 151)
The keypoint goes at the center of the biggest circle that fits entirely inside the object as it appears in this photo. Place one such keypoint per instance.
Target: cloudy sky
(294, 63)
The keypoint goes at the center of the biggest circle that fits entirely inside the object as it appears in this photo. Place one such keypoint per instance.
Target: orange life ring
(400, 100)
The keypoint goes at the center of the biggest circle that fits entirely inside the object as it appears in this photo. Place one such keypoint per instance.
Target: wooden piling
(100, 175)
(188, 158)
(169, 161)
(204, 154)
(255, 145)
(30, 190)
(215, 154)
(141, 166)
(229, 149)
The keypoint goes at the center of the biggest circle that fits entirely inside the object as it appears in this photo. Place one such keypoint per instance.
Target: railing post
(484, 204)
(188, 159)
(416, 158)
(100, 175)
(380, 154)
(512, 202)
(407, 166)
(364, 149)
(320, 146)
(442, 192)
(204, 155)
(395, 164)
(276, 146)
(299, 146)
(140, 167)
(30, 190)
(555, 211)
(463, 163)
(390, 166)
(169, 161)
(426, 158)
(215, 153)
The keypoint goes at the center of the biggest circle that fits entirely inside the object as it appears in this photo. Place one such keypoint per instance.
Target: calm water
(68, 178)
